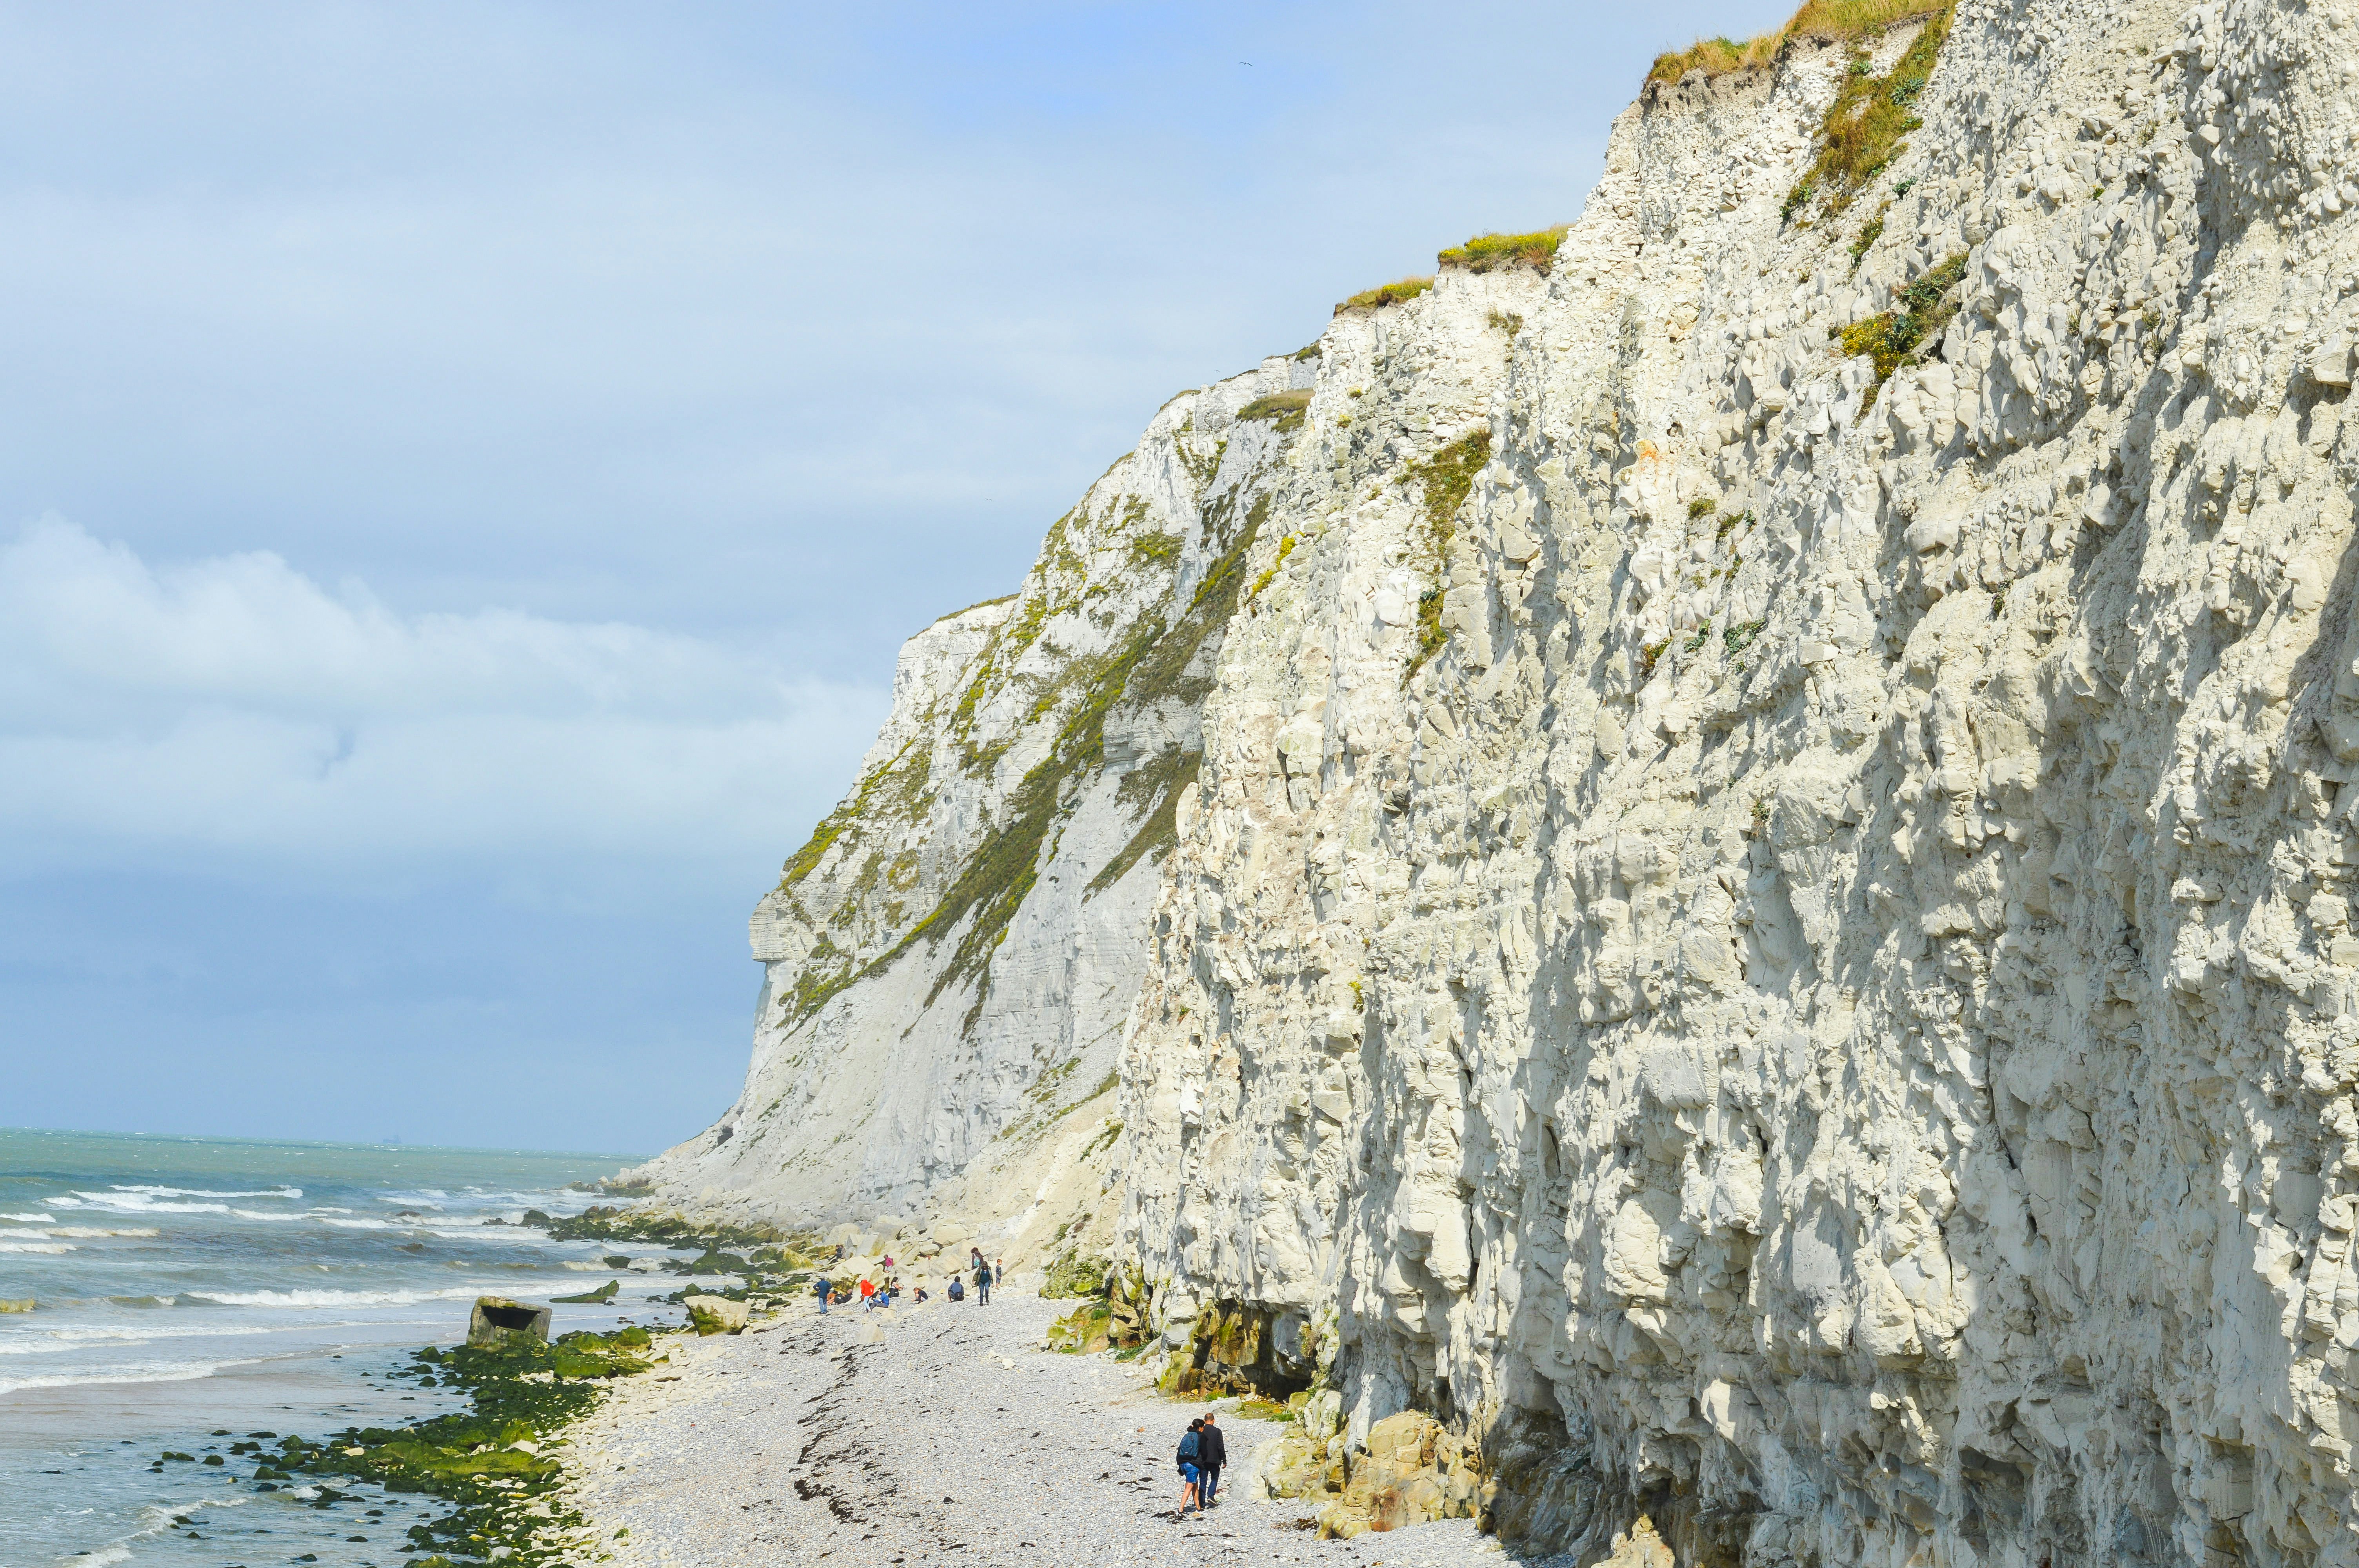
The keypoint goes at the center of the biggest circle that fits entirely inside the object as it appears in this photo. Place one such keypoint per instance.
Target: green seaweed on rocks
(1083, 1331)
(491, 1461)
(663, 1227)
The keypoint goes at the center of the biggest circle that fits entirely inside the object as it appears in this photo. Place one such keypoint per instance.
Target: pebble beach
(936, 1433)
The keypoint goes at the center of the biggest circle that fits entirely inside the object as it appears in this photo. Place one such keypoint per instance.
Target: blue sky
(465, 472)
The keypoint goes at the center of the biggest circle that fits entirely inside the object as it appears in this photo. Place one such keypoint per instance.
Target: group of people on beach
(883, 1288)
(1202, 1452)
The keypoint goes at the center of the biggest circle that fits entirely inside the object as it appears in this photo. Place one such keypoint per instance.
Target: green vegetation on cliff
(1834, 20)
(1377, 299)
(1922, 310)
(1446, 478)
(1864, 127)
(1489, 252)
(1284, 409)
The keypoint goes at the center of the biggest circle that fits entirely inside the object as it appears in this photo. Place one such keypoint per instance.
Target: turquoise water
(185, 1287)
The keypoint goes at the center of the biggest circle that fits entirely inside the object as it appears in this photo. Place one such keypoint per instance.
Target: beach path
(935, 1433)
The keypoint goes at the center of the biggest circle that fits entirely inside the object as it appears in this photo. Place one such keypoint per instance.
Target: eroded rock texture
(949, 959)
(1832, 988)
(1756, 909)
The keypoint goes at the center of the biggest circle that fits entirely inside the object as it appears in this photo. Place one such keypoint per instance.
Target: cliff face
(948, 962)
(1754, 910)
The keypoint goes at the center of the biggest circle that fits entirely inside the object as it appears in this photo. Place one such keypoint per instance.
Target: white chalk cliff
(1766, 928)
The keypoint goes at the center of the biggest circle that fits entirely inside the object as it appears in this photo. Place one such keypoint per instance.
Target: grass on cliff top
(1864, 127)
(1397, 292)
(1839, 20)
(1489, 252)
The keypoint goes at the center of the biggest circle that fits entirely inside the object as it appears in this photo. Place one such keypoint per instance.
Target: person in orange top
(867, 1294)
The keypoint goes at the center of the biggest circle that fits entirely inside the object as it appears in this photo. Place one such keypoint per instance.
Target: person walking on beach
(823, 1291)
(982, 1284)
(1211, 1452)
(974, 1257)
(1190, 1451)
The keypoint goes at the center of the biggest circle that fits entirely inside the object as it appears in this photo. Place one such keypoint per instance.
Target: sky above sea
(466, 470)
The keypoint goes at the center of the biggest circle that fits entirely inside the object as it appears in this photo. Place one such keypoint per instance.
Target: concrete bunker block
(496, 1319)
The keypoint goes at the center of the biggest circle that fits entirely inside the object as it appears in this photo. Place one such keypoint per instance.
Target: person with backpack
(982, 1284)
(1190, 1451)
(1211, 1452)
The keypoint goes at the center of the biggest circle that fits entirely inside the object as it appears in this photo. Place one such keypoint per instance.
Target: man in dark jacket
(1211, 1452)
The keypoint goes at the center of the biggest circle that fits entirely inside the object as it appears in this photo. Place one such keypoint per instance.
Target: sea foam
(136, 1372)
(328, 1298)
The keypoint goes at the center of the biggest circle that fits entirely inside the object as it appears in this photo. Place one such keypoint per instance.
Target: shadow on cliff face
(1241, 1348)
(1547, 1496)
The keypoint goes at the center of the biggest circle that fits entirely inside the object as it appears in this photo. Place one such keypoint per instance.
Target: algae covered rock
(1080, 1331)
(496, 1319)
(1074, 1275)
(717, 1315)
(1409, 1469)
(1295, 1465)
(598, 1297)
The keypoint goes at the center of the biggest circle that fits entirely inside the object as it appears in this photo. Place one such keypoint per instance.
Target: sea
(189, 1293)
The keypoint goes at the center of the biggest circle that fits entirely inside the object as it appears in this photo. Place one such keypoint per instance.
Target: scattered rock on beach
(717, 1315)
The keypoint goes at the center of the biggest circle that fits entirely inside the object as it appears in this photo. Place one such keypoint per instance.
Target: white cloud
(231, 710)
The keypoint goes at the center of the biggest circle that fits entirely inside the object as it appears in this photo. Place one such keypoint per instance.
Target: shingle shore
(933, 1433)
